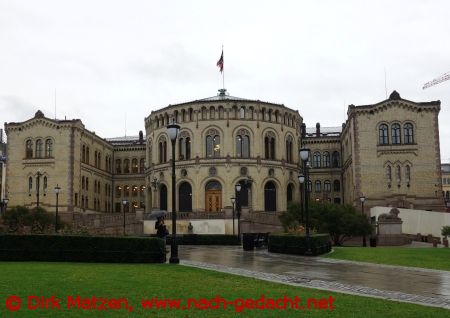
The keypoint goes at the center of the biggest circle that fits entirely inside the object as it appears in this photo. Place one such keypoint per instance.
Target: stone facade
(225, 141)
(390, 154)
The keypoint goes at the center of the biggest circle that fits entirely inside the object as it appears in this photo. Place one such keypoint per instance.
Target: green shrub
(38, 219)
(81, 249)
(205, 239)
(445, 231)
(291, 243)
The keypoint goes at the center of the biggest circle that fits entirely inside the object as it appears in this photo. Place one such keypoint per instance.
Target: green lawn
(135, 282)
(434, 258)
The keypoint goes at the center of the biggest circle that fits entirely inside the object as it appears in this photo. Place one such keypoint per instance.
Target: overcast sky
(111, 60)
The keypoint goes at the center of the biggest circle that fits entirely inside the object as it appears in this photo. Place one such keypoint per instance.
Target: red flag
(220, 63)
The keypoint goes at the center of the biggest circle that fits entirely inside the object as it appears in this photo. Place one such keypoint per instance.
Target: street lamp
(233, 201)
(124, 203)
(301, 179)
(38, 177)
(304, 155)
(57, 189)
(362, 199)
(238, 188)
(173, 130)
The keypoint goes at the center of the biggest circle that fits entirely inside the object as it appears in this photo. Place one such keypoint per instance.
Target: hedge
(81, 249)
(288, 243)
(205, 239)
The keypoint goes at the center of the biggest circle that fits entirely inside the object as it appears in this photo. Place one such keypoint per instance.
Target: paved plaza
(421, 286)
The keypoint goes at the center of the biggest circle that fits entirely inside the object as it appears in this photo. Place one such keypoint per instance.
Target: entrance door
(213, 200)
(213, 196)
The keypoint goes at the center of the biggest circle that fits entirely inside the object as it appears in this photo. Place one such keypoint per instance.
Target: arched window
(49, 148)
(408, 173)
(335, 159)
(270, 197)
(408, 131)
(326, 159)
(447, 194)
(95, 159)
(316, 160)
(191, 114)
(87, 157)
(396, 134)
(118, 191)
(142, 165)
(212, 144)
(242, 112)
(289, 193)
(162, 150)
(389, 173)
(99, 161)
(398, 173)
(383, 138)
(269, 113)
(184, 145)
(141, 190)
(243, 144)
(183, 115)
(83, 184)
(134, 165)
(263, 114)
(327, 186)
(118, 166)
(309, 186)
(126, 191)
(221, 112)
(317, 186)
(134, 191)
(30, 184)
(204, 113)
(126, 166)
(289, 147)
(39, 148)
(212, 112)
(269, 145)
(29, 149)
(336, 186)
(175, 116)
(95, 186)
(252, 113)
(83, 154)
(87, 183)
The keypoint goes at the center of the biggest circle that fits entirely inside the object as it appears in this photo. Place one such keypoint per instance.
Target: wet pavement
(421, 286)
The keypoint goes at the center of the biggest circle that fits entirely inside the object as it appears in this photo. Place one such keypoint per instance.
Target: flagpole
(223, 74)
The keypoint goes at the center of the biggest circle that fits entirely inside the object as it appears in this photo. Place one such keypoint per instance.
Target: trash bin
(248, 241)
(373, 242)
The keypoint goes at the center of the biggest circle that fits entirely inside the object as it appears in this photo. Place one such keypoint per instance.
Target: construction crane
(437, 80)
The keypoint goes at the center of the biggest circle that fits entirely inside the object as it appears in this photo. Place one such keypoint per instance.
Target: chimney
(141, 136)
(318, 130)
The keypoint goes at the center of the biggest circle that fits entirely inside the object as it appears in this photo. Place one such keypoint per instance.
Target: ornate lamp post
(57, 190)
(362, 199)
(233, 201)
(172, 131)
(38, 178)
(304, 155)
(124, 203)
(301, 179)
(238, 188)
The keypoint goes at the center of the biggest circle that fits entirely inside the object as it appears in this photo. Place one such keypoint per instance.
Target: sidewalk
(406, 284)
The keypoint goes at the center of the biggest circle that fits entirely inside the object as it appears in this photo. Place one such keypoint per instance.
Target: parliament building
(387, 152)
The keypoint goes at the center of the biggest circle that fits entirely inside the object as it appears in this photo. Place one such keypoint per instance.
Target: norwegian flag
(220, 63)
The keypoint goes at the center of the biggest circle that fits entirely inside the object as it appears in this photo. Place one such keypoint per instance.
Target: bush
(291, 243)
(81, 249)
(205, 239)
(38, 219)
(292, 218)
(445, 231)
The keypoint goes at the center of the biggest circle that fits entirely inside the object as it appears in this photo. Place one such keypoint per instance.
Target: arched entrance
(213, 196)
(270, 197)
(185, 197)
(244, 195)
(163, 197)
